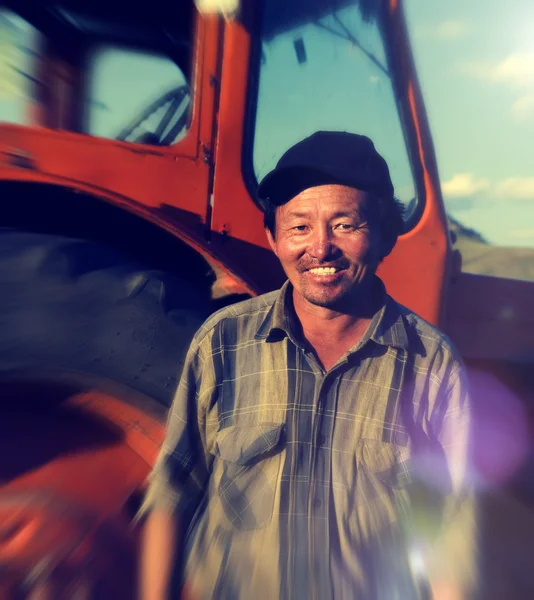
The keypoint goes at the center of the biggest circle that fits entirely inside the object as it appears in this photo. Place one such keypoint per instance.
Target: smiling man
(318, 444)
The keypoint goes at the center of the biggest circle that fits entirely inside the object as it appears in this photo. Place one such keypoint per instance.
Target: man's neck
(342, 318)
(331, 332)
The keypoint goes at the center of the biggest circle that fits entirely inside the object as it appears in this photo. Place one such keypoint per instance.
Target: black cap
(323, 158)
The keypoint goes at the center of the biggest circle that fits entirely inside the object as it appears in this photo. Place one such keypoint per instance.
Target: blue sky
(476, 66)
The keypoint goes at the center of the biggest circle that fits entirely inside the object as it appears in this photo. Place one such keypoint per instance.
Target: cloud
(463, 188)
(523, 107)
(523, 234)
(481, 70)
(464, 184)
(455, 204)
(515, 188)
(516, 69)
(446, 30)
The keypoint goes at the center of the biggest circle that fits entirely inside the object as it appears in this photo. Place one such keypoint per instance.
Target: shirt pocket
(249, 462)
(389, 463)
(383, 484)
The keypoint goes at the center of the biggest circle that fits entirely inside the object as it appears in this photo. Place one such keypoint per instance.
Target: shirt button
(321, 440)
(317, 503)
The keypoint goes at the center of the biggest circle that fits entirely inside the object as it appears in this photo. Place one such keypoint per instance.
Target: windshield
(326, 69)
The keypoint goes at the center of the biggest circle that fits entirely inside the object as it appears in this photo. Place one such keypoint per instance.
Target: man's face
(325, 244)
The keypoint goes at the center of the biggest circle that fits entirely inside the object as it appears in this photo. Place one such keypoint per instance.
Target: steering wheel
(170, 112)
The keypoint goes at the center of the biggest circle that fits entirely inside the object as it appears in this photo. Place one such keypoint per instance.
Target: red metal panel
(492, 318)
(168, 186)
(151, 176)
(236, 222)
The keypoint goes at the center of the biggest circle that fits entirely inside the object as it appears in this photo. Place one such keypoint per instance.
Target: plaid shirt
(292, 482)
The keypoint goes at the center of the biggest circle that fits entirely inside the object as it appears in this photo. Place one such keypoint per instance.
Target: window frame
(75, 106)
(402, 72)
(105, 46)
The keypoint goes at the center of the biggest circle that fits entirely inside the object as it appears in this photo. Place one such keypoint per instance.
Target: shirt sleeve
(452, 558)
(179, 478)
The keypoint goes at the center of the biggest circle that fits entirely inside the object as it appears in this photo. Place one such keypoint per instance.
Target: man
(318, 442)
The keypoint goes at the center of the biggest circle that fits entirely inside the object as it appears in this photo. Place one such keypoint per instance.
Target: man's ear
(382, 246)
(271, 240)
(386, 247)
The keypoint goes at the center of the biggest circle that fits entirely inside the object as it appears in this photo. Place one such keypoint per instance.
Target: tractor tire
(76, 306)
(79, 317)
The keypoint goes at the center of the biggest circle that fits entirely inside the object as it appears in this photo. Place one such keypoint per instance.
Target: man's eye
(345, 226)
(300, 228)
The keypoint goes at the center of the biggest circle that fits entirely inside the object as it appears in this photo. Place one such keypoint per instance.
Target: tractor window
(18, 51)
(137, 97)
(326, 71)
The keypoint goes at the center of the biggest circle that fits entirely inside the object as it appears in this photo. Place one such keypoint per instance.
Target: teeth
(323, 270)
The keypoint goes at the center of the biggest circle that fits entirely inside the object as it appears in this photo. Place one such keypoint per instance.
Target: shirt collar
(280, 320)
(387, 327)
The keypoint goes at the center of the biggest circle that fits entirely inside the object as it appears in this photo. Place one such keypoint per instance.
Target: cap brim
(282, 184)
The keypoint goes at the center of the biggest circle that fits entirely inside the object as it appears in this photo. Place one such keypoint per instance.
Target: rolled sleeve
(179, 479)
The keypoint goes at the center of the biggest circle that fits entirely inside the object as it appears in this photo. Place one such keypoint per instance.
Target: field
(483, 258)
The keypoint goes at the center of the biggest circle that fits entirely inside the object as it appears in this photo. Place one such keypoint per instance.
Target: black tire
(76, 306)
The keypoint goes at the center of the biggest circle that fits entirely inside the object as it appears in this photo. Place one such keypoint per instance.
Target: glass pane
(138, 97)
(328, 71)
(476, 66)
(18, 54)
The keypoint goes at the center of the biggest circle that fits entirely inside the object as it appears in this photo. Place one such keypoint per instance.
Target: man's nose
(321, 246)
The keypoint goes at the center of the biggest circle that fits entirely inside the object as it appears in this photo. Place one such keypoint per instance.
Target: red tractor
(128, 167)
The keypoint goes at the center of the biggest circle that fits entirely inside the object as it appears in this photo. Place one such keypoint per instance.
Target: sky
(476, 66)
